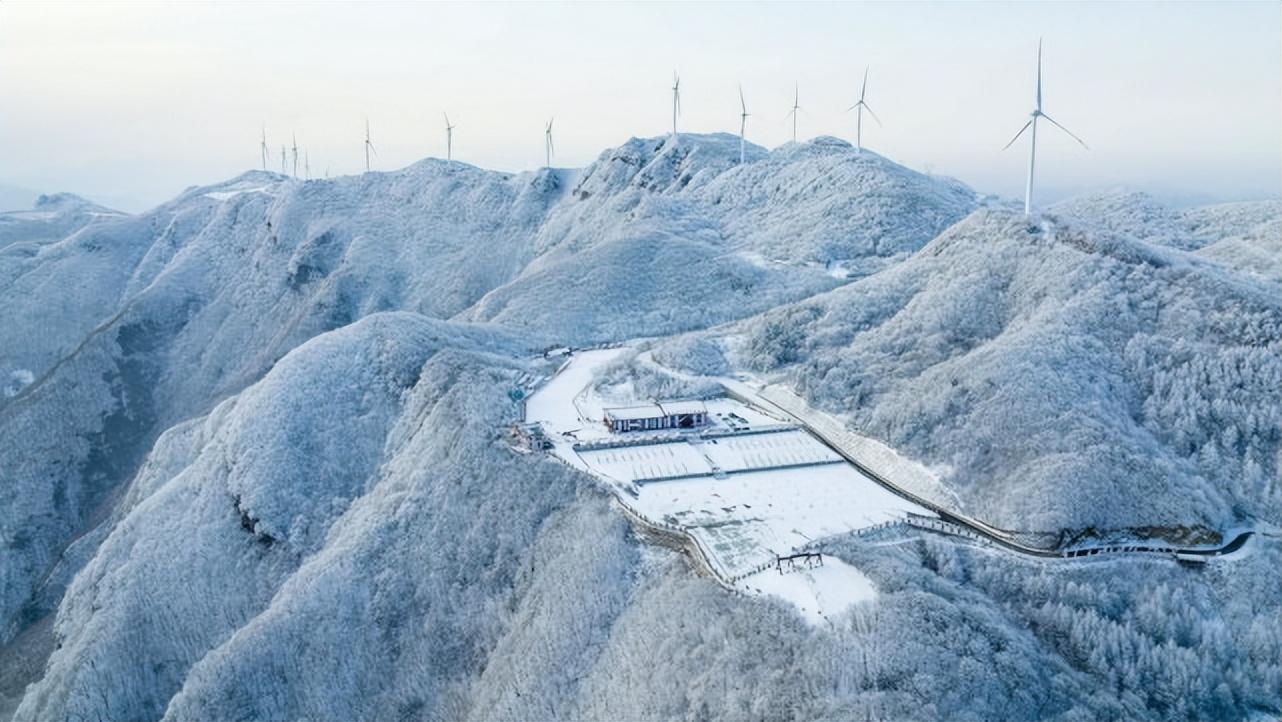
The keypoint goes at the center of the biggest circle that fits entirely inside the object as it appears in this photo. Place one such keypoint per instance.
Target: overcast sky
(129, 103)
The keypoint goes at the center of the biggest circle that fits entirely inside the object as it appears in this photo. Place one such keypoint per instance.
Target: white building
(657, 416)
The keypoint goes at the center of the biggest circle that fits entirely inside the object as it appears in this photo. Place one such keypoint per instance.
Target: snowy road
(556, 404)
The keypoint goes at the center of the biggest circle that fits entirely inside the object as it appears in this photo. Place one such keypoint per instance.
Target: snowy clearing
(750, 517)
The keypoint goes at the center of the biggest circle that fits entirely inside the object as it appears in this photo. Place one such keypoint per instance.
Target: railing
(727, 472)
(704, 556)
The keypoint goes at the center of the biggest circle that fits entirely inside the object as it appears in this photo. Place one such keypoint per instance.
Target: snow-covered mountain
(1063, 378)
(667, 235)
(252, 456)
(1144, 217)
(176, 309)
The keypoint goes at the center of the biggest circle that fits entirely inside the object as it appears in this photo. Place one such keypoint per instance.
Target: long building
(657, 416)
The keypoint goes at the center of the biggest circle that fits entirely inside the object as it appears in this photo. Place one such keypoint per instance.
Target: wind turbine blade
(1066, 130)
(372, 148)
(864, 89)
(856, 105)
(874, 115)
(742, 103)
(1021, 132)
(1039, 74)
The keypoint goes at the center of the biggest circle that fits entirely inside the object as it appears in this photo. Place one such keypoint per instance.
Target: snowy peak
(69, 202)
(825, 202)
(53, 217)
(1142, 216)
(665, 164)
(1136, 214)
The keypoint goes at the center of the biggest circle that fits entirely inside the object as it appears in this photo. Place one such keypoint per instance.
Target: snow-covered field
(751, 487)
(750, 517)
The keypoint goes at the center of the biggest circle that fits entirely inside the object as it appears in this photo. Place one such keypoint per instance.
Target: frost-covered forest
(254, 460)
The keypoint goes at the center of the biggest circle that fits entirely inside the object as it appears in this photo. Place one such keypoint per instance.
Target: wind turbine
(547, 142)
(369, 146)
(676, 101)
(307, 166)
(861, 106)
(282, 159)
(262, 146)
(796, 105)
(295, 139)
(449, 139)
(1032, 122)
(743, 123)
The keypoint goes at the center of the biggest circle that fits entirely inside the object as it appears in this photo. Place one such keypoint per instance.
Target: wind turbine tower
(796, 106)
(1032, 122)
(449, 139)
(860, 107)
(369, 146)
(294, 136)
(743, 124)
(676, 101)
(307, 166)
(547, 142)
(262, 147)
(283, 169)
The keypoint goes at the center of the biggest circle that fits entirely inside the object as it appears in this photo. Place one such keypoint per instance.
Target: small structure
(802, 560)
(530, 435)
(657, 416)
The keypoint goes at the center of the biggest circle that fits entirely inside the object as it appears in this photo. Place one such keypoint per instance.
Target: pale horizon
(128, 104)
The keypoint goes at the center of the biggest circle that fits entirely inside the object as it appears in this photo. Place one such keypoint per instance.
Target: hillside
(350, 536)
(667, 235)
(51, 217)
(176, 309)
(1061, 378)
(1144, 217)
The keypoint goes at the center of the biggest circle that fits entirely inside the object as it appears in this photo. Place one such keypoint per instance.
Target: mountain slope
(1142, 216)
(174, 310)
(51, 217)
(666, 235)
(350, 537)
(1059, 377)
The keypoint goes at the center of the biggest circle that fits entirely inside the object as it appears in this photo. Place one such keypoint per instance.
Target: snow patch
(18, 380)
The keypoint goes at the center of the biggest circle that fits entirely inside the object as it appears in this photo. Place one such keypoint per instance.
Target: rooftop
(672, 408)
(623, 413)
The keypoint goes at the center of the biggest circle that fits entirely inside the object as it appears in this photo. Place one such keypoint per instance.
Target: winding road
(794, 408)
